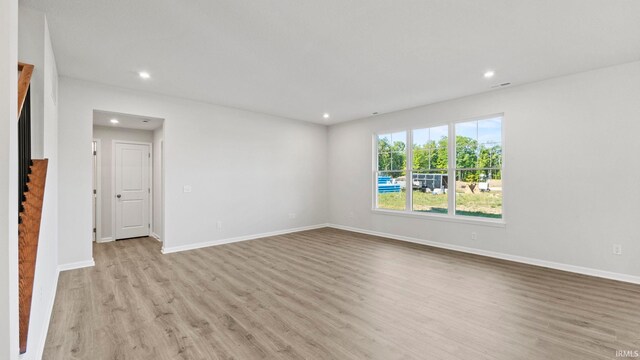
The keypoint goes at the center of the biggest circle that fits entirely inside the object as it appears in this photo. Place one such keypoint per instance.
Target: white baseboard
(76, 265)
(39, 351)
(155, 236)
(105, 239)
(173, 249)
(520, 259)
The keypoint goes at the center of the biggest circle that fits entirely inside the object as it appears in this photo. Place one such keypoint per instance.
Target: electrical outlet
(617, 249)
(219, 224)
(474, 236)
(351, 214)
(186, 188)
(292, 215)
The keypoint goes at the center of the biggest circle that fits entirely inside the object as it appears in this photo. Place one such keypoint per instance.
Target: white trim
(173, 249)
(113, 182)
(408, 174)
(39, 350)
(374, 173)
(451, 156)
(105, 239)
(161, 195)
(162, 185)
(151, 154)
(98, 182)
(461, 219)
(492, 254)
(76, 265)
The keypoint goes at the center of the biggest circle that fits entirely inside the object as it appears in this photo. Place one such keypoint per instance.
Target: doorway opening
(127, 176)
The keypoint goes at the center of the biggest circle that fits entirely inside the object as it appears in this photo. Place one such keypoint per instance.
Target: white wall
(156, 226)
(35, 48)
(247, 170)
(8, 180)
(106, 136)
(571, 187)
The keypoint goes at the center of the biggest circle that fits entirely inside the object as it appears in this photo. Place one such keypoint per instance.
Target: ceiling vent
(501, 85)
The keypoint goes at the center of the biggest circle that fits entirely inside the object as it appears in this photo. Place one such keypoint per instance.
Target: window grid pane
(430, 148)
(390, 190)
(392, 165)
(478, 173)
(430, 191)
(476, 178)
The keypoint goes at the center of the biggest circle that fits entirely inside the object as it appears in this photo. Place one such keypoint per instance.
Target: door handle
(118, 196)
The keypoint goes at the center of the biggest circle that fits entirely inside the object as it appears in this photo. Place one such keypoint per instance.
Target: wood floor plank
(333, 294)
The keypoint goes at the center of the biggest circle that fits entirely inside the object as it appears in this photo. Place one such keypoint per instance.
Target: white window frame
(451, 171)
(374, 177)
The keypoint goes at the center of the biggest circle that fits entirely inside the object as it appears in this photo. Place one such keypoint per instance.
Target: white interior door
(132, 190)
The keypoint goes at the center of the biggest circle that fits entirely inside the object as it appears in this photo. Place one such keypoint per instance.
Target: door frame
(113, 182)
(154, 233)
(97, 173)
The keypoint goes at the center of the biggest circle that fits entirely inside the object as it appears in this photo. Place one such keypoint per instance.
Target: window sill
(437, 217)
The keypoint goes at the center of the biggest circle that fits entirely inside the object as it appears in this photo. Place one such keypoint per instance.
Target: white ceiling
(301, 58)
(126, 121)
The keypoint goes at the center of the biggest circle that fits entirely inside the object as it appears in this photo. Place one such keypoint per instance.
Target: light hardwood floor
(332, 294)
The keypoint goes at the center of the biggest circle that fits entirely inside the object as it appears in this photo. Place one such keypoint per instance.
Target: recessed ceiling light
(144, 75)
(325, 115)
(114, 121)
(489, 74)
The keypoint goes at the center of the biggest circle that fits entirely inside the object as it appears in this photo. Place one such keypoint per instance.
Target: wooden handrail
(26, 71)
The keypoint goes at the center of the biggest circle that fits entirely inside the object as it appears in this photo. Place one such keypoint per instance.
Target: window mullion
(451, 198)
(408, 176)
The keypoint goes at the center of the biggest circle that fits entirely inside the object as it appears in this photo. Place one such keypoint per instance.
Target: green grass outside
(483, 204)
